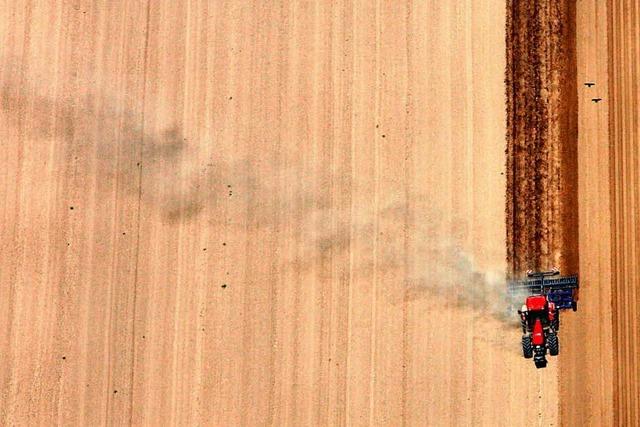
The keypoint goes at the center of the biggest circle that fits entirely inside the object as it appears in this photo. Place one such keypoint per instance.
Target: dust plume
(434, 264)
(454, 277)
(108, 128)
(165, 165)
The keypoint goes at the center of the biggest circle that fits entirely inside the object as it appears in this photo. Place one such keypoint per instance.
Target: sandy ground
(586, 374)
(241, 213)
(624, 72)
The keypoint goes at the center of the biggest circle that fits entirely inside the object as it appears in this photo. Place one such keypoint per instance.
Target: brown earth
(542, 136)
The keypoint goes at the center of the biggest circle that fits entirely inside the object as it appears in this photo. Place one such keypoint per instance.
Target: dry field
(293, 212)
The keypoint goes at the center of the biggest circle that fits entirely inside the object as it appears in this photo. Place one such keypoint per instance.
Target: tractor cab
(537, 310)
(537, 303)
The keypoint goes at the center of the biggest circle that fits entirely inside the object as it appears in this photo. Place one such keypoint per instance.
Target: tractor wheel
(554, 346)
(556, 322)
(527, 349)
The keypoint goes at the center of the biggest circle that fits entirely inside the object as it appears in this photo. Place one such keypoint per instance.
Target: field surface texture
(293, 213)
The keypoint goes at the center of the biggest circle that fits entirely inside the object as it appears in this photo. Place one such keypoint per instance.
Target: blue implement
(562, 291)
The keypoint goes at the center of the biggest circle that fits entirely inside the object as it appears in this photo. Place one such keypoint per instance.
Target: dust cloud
(434, 266)
(453, 276)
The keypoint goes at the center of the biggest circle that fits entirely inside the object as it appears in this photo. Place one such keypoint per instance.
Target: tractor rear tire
(556, 322)
(554, 346)
(527, 349)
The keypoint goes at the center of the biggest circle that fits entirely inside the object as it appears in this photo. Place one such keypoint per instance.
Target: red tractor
(540, 315)
(539, 328)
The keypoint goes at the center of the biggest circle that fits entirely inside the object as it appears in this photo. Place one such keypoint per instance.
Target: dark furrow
(541, 136)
